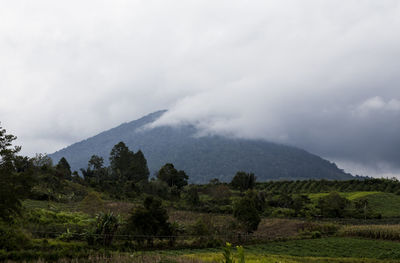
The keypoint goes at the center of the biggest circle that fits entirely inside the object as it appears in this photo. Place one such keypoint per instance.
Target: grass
(350, 195)
(334, 249)
(254, 258)
(49, 205)
(385, 232)
(386, 204)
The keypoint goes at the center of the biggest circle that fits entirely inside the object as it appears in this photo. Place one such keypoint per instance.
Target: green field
(333, 249)
(386, 204)
(349, 195)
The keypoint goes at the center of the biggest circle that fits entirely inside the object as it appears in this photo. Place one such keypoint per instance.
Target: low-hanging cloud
(315, 74)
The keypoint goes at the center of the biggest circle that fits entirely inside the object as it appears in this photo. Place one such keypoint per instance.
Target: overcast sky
(320, 75)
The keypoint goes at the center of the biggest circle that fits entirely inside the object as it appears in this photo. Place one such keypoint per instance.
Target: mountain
(203, 158)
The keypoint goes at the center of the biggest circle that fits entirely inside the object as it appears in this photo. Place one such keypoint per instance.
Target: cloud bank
(319, 75)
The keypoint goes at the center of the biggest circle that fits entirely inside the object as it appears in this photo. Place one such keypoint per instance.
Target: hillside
(203, 158)
(386, 204)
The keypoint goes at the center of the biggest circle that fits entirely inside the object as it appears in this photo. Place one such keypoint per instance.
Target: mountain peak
(203, 158)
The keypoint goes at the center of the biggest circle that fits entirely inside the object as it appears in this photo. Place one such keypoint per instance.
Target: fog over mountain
(202, 157)
(318, 75)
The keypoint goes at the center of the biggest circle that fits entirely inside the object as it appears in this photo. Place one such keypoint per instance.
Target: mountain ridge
(203, 158)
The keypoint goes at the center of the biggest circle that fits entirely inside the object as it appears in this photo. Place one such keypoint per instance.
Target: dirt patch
(279, 228)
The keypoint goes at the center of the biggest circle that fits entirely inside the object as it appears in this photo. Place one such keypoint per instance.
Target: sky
(319, 75)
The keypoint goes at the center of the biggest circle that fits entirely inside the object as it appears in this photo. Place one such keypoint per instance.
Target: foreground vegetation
(49, 213)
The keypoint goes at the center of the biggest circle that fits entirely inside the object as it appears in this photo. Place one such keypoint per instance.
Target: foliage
(63, 169)
(12, 238)
(333, 205)
(192, 196)
(15, 176)
(148, 221)
(104, 229)
(126, 165)
(326, 186)
(227, 253)
(96, 175)
(127, 174)
(157, 188)
(245, 210)
(243, 181)
(44, 223)
(172, 177)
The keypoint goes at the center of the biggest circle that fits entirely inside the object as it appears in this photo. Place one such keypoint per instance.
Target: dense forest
(48, 211)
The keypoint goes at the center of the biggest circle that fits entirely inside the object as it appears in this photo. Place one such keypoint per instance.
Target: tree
(64, 169)
(363, 209)
(333, 205)
(42, 161)
(120, 160)
(96, 174)
(192, 196)
(299, 204)
(96, 162)
(243, 181)
(148, 220)
(15, 176)
(172, 177)
(127, 165)
(139, 168)
(245, 210)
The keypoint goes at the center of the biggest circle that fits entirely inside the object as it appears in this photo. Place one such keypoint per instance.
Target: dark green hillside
(203, 158)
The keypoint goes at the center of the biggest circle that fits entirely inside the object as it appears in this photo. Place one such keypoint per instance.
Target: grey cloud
(316, 74)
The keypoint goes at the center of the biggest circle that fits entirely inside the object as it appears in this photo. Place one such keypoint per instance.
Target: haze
(320, 75)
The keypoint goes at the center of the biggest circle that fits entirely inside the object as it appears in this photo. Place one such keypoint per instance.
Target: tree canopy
(172, 177)
(243, 181)
(15, 176)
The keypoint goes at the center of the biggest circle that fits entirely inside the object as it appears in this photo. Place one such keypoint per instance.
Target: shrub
(104, 230)
(243, 181)
(333, 205)
(12, 238)
(148, 220)
(246, 213)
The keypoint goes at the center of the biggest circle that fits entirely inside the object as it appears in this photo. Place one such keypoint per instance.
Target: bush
(149, 220)
(12, 238)
(104, 230)
(51, 223)
(333, 206)
(316, 234)
(246, 213)
(283, 212)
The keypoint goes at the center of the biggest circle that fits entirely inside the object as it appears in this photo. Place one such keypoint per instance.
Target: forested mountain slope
(203, 158)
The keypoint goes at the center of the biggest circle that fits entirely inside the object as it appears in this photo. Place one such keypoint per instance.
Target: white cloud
(377, 104)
